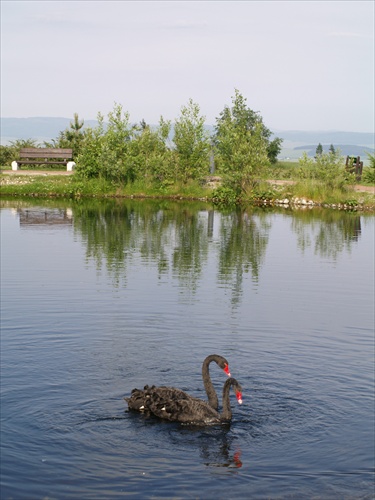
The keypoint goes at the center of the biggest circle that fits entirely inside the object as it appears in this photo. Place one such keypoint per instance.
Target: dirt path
(36, 172)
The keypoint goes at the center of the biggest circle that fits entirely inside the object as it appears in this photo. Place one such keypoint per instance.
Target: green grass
(73, 187)
(63, 186)
(282, 170)
(320, 193)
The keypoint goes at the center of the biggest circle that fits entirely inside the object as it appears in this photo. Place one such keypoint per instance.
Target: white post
(70, 165)
(14, 165)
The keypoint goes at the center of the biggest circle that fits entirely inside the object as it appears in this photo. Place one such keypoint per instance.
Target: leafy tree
(12, 151)
(71, 137)
(369, 172)
(89, 160)
(150, 151)
(192, 143)
(319, 150)
(115, 146)
(24, 143)
(7, 155)
(123, 152)
(273, 148)
(327, 168)
(332, 149)
(241, 144)
(143, 125)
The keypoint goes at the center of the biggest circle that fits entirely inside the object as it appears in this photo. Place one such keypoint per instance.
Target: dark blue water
(97, 299)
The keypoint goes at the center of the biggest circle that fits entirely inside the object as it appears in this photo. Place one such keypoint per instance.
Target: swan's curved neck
(226, 414)
(210, 390)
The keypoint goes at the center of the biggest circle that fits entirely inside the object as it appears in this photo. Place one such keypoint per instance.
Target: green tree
(241, 144)
(89, 160)
(12, 151)
(319, 150)
(71, 137)
(150, 151)
(117, 162)
(273, 148)
(369, 172)
(7, 155)
(192, 143)
(122, 152)
(327, 168)
(332, 149)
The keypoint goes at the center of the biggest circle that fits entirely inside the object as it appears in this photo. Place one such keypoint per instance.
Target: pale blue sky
(305, 65)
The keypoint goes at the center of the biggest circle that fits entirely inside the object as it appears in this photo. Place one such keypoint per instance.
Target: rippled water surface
(97, 299)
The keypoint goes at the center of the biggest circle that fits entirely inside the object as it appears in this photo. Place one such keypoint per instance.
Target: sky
(304, 65)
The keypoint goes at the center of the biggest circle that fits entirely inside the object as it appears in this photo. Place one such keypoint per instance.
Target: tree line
(240, 148)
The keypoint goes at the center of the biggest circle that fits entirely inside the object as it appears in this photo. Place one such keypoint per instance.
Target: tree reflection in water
(330, 232)
(183, 238)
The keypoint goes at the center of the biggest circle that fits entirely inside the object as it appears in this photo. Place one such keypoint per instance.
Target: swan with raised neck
(192, 410)
(139, 397)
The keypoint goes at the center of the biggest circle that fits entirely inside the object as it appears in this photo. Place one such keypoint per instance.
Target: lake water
(99, 298)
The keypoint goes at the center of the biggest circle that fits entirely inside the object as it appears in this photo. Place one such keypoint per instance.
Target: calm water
(97, 299)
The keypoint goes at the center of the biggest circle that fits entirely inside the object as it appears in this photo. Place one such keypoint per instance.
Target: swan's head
(219, 360)
(226, 369)
(237, 390)
(239, 397)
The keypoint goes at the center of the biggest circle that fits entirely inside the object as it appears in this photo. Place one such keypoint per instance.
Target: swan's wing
(188, 410)
(166, 393)
(138, 398)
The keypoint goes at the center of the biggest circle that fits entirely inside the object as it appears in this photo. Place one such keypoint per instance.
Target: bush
(368, 174)
(124, 153)
(71, 138)
(224, 196)
(192, 143)
(328, 168)
(12, 152)
(7, 155)
(89, 160)
(241, 145)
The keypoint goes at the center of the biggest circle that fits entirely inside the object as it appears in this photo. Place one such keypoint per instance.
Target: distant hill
(24, 128)
(326, 137)
(38, 128)
(294, 141)
(345, 149)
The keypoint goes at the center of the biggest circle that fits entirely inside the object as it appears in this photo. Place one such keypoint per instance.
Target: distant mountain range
(294, 141)
(38, 128)
(328, 137)
(345, 149)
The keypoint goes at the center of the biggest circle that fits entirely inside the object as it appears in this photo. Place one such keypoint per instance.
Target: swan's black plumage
(139, 398)
(192, 410)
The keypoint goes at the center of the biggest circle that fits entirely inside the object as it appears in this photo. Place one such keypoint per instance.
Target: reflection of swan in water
(223, 458)
(192, 410)
(138, 398)
(217, 446)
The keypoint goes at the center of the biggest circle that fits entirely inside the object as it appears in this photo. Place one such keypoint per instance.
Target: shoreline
(358, 187)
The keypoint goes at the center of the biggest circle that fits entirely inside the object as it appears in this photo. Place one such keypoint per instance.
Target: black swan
(138, 398)
(194, 411)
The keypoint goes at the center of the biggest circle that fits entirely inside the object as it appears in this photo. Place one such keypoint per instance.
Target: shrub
(328, 168)
(192, 143)
(241, 144)
(368, 174)
(224, 196)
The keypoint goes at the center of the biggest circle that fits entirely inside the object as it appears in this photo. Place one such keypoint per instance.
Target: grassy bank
(286, 192)
(70, 186)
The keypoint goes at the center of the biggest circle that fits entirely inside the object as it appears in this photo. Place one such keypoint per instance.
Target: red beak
(226, 369)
